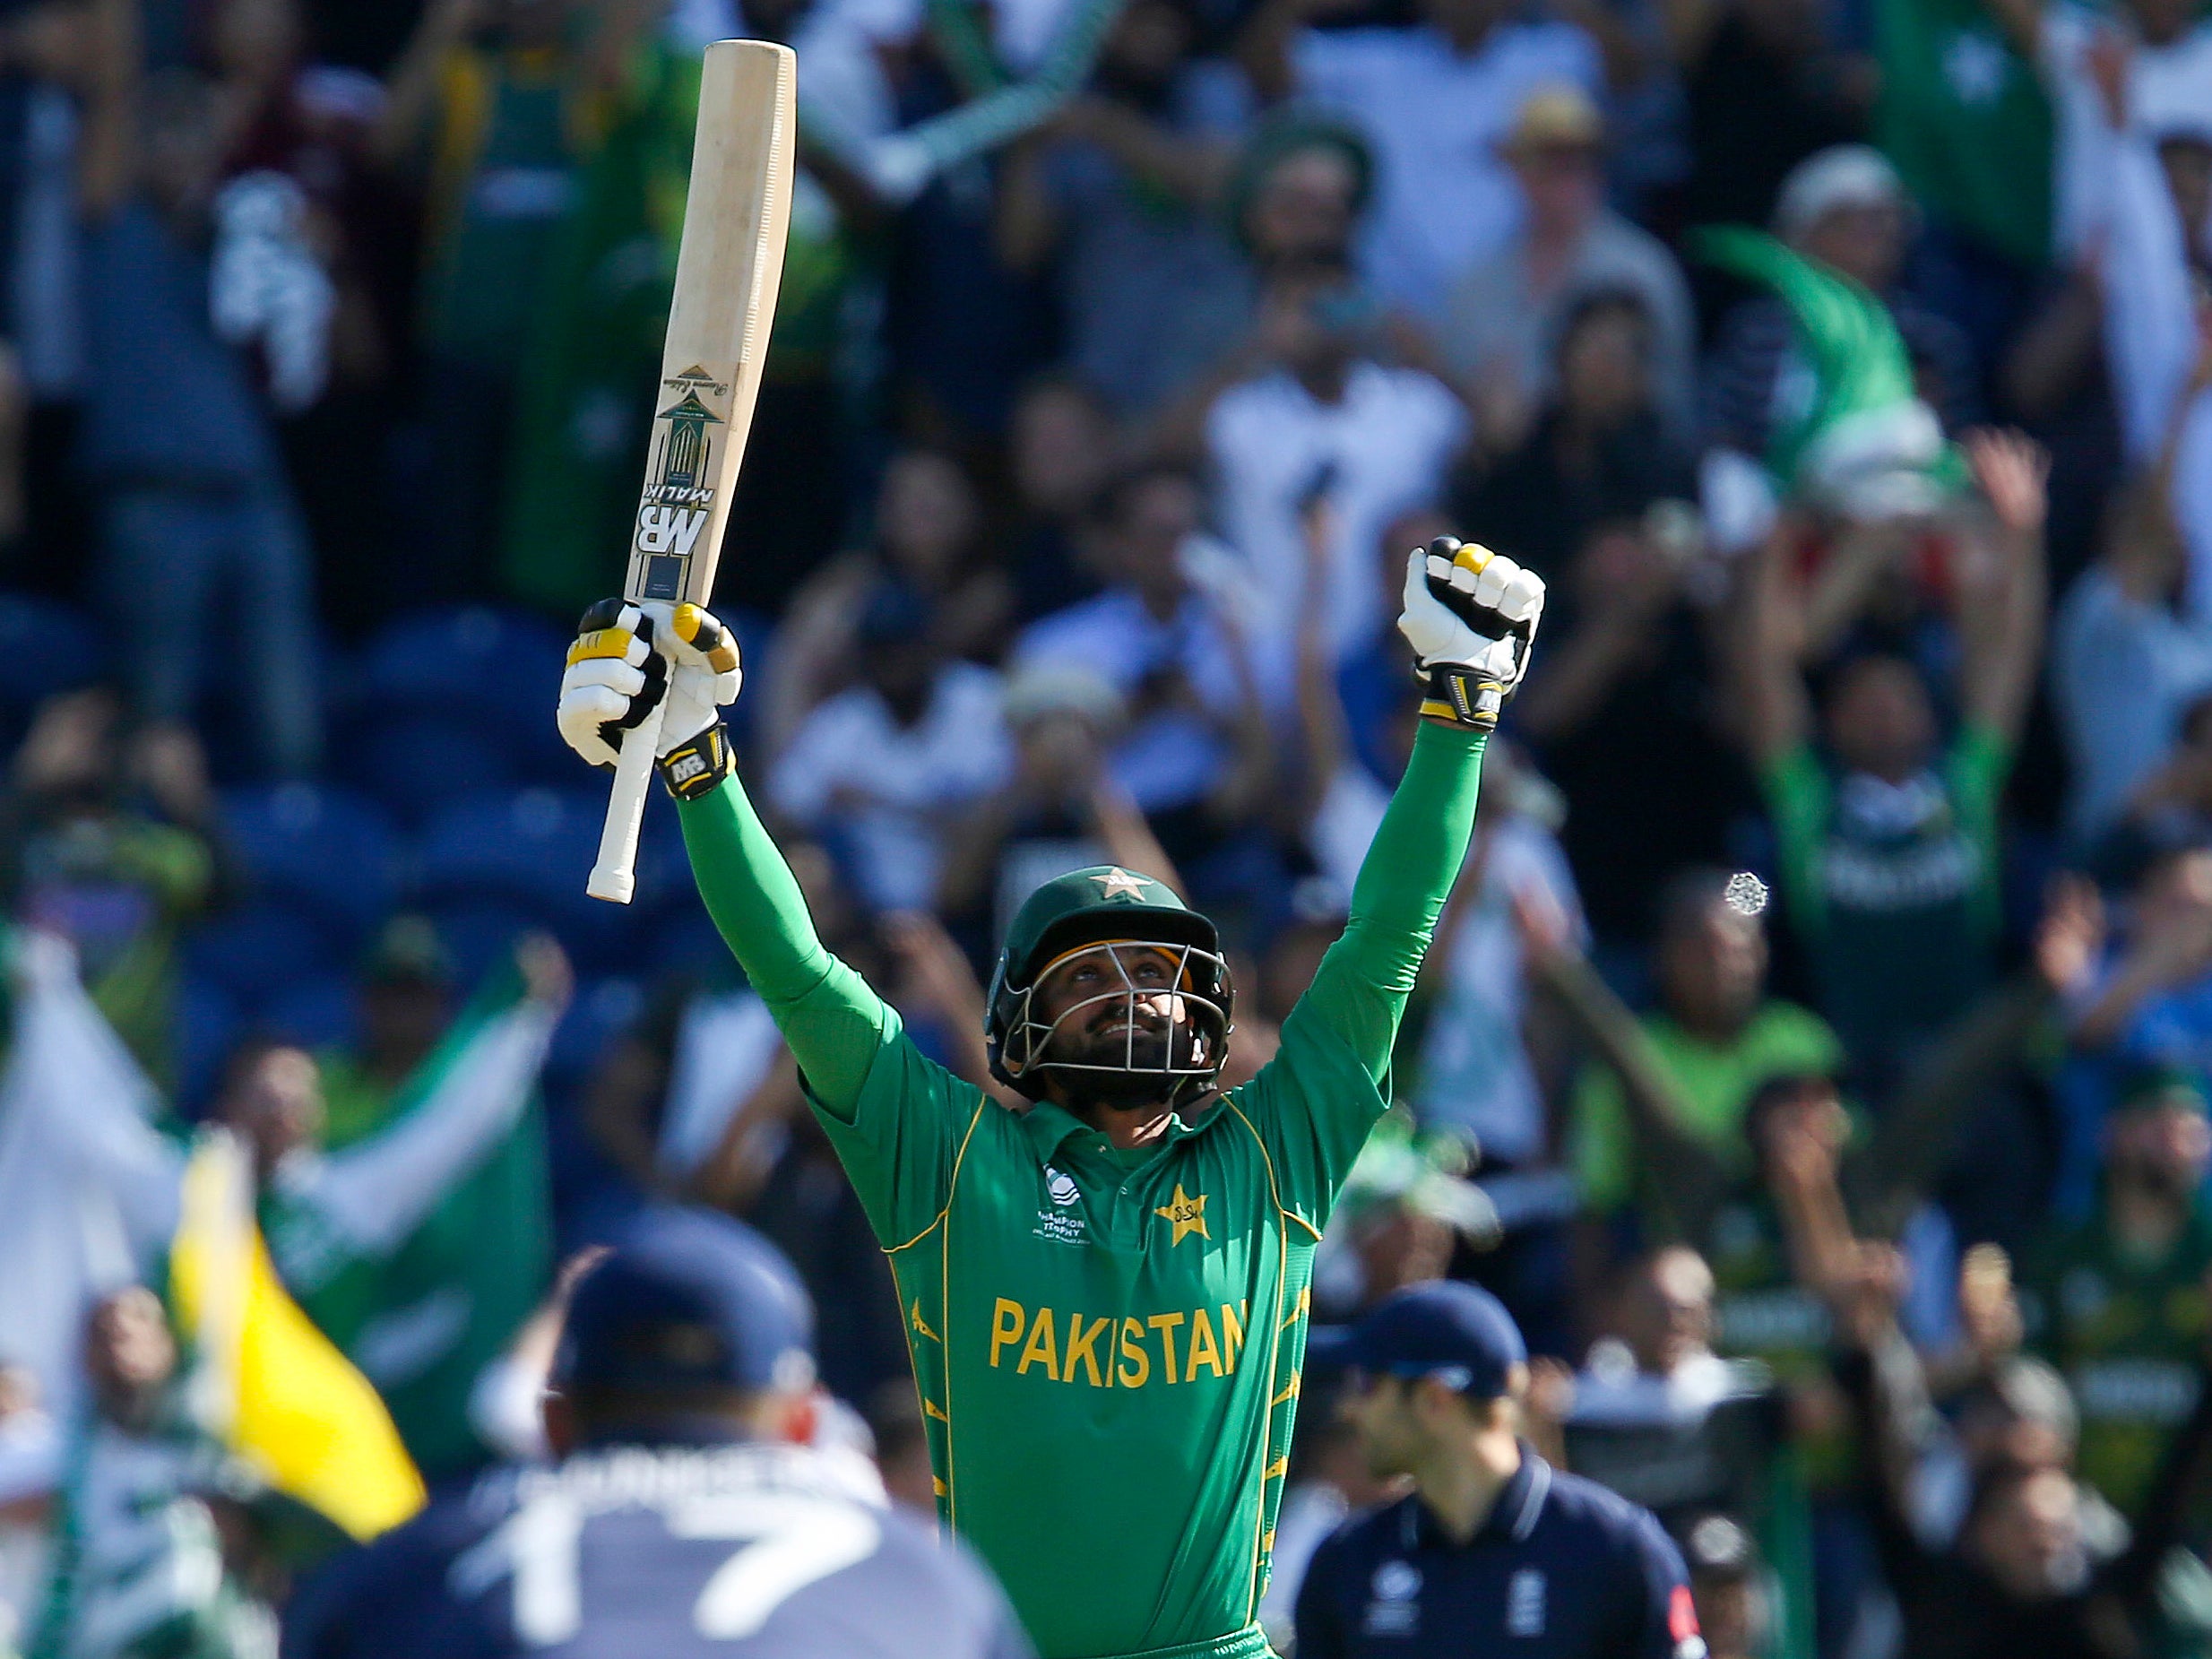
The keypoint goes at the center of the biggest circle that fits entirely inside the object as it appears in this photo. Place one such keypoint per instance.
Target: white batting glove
(627, 657)
(1470, 617)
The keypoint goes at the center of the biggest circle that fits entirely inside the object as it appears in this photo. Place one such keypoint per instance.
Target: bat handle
(614, 876)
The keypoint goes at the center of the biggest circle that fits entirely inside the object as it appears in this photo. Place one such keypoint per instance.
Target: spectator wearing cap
(1432, 99)
(1297, 190)
(1493, 1548)
(2118, 1301)
(881, 770)
(681, 1385)
(1844, 209)
(1188, 747)
(1508, 313)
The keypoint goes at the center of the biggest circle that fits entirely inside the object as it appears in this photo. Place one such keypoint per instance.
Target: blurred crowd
(1815, 1053)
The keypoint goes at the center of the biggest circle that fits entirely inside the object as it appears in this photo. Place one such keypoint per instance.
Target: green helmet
(1108, 905)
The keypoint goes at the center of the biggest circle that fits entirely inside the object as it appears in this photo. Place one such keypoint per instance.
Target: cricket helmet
(1111, 910)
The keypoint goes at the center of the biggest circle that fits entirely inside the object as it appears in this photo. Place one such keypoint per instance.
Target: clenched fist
(1470, 617)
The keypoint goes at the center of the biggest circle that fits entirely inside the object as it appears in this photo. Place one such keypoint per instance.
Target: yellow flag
(275, 1390)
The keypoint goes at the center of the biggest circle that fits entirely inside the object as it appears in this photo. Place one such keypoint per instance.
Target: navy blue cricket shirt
(1561, 1568)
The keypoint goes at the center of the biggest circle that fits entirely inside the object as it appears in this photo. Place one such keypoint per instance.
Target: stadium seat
(317, 849)
(603, 1009)
(207, 1024)
(316, 1013)
(526, 853)
(454, 700)
(255, 951)
(45, 646)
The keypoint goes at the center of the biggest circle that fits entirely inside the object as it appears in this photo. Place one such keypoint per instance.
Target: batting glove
(1471, 616)
(628, 657)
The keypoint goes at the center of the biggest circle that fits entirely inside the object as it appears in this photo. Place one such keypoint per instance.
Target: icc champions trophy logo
(680, 498)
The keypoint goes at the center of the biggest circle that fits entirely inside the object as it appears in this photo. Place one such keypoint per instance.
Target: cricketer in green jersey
(1106, 1294)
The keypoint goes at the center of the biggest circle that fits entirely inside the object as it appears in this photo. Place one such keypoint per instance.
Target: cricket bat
(736, 217)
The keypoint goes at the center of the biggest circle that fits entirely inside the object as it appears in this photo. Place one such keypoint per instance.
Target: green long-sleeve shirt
(1107, 1342)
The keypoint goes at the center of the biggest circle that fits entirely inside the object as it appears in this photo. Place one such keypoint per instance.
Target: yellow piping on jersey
(892, 1249)
(1262, 1538)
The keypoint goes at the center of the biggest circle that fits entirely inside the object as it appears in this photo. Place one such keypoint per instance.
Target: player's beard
(1132, 1066)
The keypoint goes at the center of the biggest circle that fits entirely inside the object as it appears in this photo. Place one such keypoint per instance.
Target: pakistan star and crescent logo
(1118, 880)
(1186, 1214)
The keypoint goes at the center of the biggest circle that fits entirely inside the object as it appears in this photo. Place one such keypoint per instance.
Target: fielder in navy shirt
(1495, 1552)
(680, 1522)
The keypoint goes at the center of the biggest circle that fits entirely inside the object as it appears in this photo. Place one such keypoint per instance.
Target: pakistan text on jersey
(1929, 875)
(1105, 1350)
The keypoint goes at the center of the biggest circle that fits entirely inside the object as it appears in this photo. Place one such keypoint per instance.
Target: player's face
(1378, 1409)
(1114, 1004)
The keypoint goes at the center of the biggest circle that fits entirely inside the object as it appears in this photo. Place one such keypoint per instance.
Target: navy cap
(1458, 1332)
(686, 1299)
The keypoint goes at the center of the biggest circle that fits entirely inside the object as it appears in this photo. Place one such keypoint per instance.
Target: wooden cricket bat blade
(737, 218)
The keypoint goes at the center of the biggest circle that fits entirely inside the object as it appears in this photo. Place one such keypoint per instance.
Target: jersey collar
(1049, 1126)
(1511, 1519)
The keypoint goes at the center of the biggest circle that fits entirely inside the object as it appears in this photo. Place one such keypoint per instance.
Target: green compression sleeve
(1404, 881)
(834, 1022)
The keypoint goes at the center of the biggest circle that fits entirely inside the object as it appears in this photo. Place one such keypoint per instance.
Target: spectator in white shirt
(2126, 663)
(1433, 100)
(879, 771)
(2168, 44)
(2156, 185)
(1191, 748)
(1333, 429)
(1506, 313)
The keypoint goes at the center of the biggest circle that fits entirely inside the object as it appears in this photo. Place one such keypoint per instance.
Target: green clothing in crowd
(1894, 887)
(2129, 1331)
(1964, 118)
(1715, 1083)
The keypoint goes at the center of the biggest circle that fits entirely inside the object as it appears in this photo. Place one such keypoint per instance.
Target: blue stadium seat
(45, 646)
(256, 951)
(527, 854)
(316, 1013)
(466, 660)
(448, 701)
(316, 849)
(602, 1011)
(207, 1024)
(417, 762)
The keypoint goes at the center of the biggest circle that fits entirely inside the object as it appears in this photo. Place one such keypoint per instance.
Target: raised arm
(462, 1100)
(1691, 1180)
(2003, 600)
(1920, 1131)
(1776, 713)
(1325, 1086)
(624, 661)
(1361, 989)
